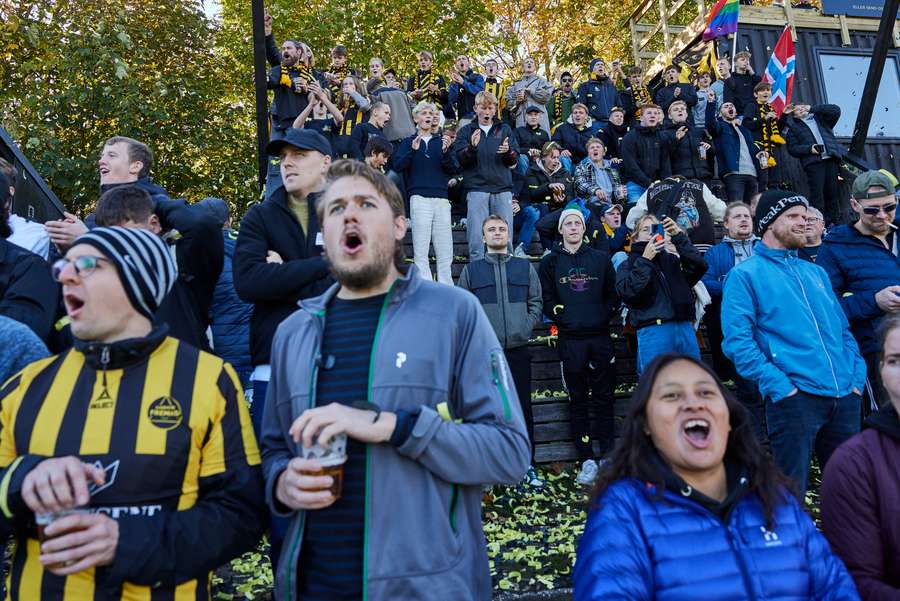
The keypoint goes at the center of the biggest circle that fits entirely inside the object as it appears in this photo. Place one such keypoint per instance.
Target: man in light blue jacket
(412, 372)
(785, 330)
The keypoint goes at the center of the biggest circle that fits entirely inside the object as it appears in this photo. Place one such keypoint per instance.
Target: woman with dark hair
(861, 487)
(690, 507)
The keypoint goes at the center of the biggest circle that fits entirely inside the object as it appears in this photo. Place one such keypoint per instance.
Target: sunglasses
(84, 266)
(873, 211)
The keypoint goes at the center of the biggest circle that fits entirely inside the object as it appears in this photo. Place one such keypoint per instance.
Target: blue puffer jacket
(231, 318)
(858, 267)
(784, 329)
(639, 548)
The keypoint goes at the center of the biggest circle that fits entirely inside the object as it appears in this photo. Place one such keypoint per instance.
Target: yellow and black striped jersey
(170, 427)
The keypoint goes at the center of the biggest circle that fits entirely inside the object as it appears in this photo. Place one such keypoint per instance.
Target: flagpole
(734, 48)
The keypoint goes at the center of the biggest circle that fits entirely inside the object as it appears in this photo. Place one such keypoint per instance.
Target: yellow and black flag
(700, 58)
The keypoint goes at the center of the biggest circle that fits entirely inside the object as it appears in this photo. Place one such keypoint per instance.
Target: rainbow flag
(722, 20)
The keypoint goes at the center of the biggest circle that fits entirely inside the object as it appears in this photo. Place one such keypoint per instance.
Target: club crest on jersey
(165, 412)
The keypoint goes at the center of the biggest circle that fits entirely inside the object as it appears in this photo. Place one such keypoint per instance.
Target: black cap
(534, 109)
(304, 139)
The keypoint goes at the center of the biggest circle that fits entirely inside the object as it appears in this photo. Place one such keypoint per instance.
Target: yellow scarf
(771, 136)
(298, 70)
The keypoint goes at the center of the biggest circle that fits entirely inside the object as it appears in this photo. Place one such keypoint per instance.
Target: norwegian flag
(780, 72)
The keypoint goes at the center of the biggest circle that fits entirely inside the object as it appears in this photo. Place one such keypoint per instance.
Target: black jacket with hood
(484, 170)
(275, 288)
(537, 185)
(659, 291)
(579, 290)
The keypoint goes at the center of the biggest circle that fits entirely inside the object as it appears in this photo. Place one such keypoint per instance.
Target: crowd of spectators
(304, 323)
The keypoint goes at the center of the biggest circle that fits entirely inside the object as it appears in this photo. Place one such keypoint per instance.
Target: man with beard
(861, 261)
(645, 154)
(529, 93)
(579, 294)
(290, 80)
(428, 420)
(464, 87)
(689, 149)
(785, 330)
(560, 106)
(673, 90)
(598, 94)
(736, 152)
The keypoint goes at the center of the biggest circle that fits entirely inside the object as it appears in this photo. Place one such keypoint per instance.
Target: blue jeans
(635, 191)
(803, 423)
(668, 337)
(524, 162)
(526, 220)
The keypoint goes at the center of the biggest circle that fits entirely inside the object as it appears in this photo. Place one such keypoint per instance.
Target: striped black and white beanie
(145, 266)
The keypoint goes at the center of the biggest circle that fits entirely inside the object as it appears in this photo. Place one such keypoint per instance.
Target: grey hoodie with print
(434, 353)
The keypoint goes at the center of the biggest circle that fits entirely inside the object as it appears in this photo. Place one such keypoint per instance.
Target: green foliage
(76, 73)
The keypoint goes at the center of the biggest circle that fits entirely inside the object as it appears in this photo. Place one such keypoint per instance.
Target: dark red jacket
(861, 506)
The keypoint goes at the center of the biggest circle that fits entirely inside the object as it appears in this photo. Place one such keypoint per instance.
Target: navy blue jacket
(728, 147)
(426, 170)
(359, 137)
(858, 267)
(645, 155)
(462, 97)
(230, 315)
(573, 139)
(800, 138)
(600, 96)
(719, 261)
(665, 96)
(638, 547)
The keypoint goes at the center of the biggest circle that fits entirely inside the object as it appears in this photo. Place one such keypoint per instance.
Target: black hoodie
(645, 156)
(579, 290)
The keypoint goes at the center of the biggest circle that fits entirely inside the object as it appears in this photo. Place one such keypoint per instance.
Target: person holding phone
(655, 282)
(810, 138)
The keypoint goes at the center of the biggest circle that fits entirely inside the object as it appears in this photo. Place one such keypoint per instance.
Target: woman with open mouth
(690, 507)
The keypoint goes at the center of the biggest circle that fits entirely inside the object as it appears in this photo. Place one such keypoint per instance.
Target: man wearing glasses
(815, 230)
(861, 261)
(560, 106)
(128, 465)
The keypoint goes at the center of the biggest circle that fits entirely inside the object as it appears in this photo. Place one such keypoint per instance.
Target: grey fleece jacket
(436, 354)
(510, 298)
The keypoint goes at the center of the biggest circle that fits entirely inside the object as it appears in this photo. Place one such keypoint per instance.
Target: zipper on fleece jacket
(837, 391)
(372, 355)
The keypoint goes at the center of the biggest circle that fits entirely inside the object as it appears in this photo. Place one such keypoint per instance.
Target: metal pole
(259, 81)
(873, 79)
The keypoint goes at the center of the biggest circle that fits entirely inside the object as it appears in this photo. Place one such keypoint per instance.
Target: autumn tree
(75, 73)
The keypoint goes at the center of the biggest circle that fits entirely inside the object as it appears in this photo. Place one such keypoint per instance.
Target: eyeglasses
(84, 266)
(873, 211)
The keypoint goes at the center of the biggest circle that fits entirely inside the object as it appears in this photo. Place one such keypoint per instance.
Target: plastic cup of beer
(42, 520)
(331, 458)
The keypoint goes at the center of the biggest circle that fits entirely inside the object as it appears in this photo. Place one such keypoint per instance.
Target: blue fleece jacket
(784, 328)
(20, 346)
(858, 267)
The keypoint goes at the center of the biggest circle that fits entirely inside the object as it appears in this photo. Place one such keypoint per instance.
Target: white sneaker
(588, 473)
(532, 479)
